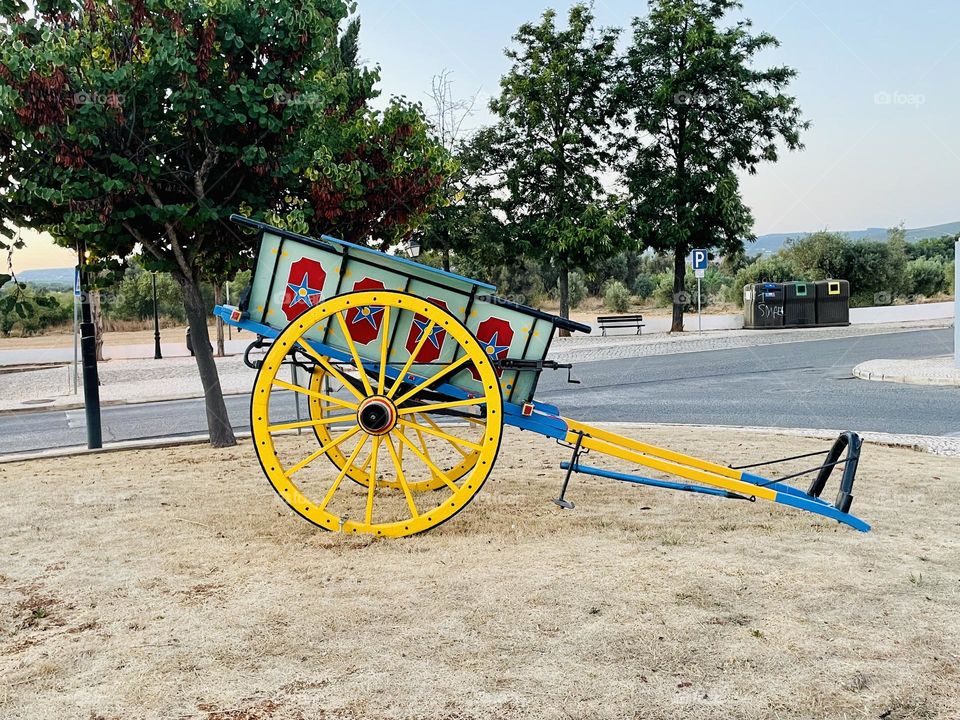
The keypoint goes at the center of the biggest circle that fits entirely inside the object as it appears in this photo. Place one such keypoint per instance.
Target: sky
(879, 80)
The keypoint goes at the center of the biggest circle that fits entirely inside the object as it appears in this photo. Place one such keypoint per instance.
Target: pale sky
(879, 79)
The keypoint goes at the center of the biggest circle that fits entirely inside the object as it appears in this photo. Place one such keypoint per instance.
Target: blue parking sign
(699, 258)
(76, 282)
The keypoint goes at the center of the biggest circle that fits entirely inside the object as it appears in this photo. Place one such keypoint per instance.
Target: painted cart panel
(294, 273)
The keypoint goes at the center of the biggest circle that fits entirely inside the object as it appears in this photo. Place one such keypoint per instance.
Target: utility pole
(157, 355)
(88, 352)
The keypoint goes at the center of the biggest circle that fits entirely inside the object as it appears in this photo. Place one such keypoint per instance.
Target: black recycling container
(799, 304)
(763, 306)
(833, 302)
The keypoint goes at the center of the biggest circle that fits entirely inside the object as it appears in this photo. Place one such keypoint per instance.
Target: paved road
(805, 384)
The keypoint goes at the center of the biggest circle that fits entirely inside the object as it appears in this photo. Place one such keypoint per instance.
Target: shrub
(775, 268)
(644, 285)
(616, 297)
(577, 289)
(926, 277)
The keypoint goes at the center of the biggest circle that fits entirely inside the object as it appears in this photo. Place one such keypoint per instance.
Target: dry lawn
(174, 584)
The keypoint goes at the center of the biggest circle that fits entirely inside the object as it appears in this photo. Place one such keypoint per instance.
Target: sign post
(699, 259)
(956, 302)
(76, 320)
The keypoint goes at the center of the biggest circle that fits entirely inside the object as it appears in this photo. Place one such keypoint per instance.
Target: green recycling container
(799, 304)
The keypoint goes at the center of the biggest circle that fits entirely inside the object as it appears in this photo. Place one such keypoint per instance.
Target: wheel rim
(387, 416)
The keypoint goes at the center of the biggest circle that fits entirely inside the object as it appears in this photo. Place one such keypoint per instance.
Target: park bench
(620, 321)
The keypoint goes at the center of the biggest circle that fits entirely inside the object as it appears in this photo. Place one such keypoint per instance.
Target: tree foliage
(696, 111)
(143, 125)
(550, 143)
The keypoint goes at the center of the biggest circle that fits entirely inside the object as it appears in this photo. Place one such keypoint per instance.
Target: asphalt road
(805, 384)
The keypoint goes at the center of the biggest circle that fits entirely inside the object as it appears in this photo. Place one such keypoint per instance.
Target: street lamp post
(157, 355)
(88, 352)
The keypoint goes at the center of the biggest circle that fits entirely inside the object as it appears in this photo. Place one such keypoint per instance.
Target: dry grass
(173, 583)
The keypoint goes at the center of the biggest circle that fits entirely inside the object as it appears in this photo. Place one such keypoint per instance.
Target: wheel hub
(377, 415)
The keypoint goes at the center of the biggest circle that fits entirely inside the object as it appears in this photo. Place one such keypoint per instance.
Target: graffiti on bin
(768, 311)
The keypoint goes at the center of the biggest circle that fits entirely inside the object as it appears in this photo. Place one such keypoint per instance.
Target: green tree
(697, 110)
(822, 254)
(549, 145)
(144, 125)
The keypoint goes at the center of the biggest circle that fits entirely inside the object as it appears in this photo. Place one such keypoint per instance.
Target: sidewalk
(175, 378)
(931, 371)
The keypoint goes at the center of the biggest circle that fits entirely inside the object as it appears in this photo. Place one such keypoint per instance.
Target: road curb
(865, 374)
(933, 444)
(111, 403)
(146, 444)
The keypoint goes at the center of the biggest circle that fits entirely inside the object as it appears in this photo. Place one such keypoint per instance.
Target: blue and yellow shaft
(704, 472)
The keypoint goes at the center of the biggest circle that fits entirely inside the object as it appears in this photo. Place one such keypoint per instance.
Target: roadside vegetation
(881, 272)
(125, 306)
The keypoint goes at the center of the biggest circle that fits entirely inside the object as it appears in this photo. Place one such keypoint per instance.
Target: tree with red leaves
(139, 126)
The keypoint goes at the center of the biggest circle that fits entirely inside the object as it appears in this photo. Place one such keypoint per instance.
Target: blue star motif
(434, 334)
(492, 348)
(369, 313)
(303, 293)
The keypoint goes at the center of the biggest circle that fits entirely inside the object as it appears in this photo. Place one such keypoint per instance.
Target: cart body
(293, 273)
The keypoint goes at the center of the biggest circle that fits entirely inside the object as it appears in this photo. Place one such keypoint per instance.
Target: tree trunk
(446, 259)
(679, 287)
(564, 284)
(218, 422)
(218, 300)
(97, 316)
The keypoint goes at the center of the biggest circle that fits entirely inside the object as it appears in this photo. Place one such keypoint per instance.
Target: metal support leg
(566, 504)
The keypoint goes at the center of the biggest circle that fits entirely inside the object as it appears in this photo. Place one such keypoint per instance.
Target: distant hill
(774, 241)
(49, 277)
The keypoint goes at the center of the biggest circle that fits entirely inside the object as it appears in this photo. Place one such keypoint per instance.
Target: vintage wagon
(409, 375)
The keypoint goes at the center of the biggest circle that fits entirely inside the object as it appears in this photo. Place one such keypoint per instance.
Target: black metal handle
(850, 442)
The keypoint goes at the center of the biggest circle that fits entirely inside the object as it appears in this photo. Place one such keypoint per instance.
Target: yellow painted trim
(615, 447)
(653, 450)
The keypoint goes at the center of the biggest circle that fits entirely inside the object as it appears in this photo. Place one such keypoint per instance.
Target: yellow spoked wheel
(463, 459)
(379, 421)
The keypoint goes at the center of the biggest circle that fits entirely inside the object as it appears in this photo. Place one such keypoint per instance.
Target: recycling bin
(799, 304)
(833, 302)
(763, 305)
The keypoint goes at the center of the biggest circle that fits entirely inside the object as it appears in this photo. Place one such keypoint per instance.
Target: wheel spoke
(445, 370)
(353, 351)
(416, 351)
(314, 394)
(329, 446)
(429, 463)
(328, 366)
(310, 423)
(372, 482)
(401, 478)
(343, 473)
(437, 432)
(441, 406)
(435, 426)
(384, 348)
